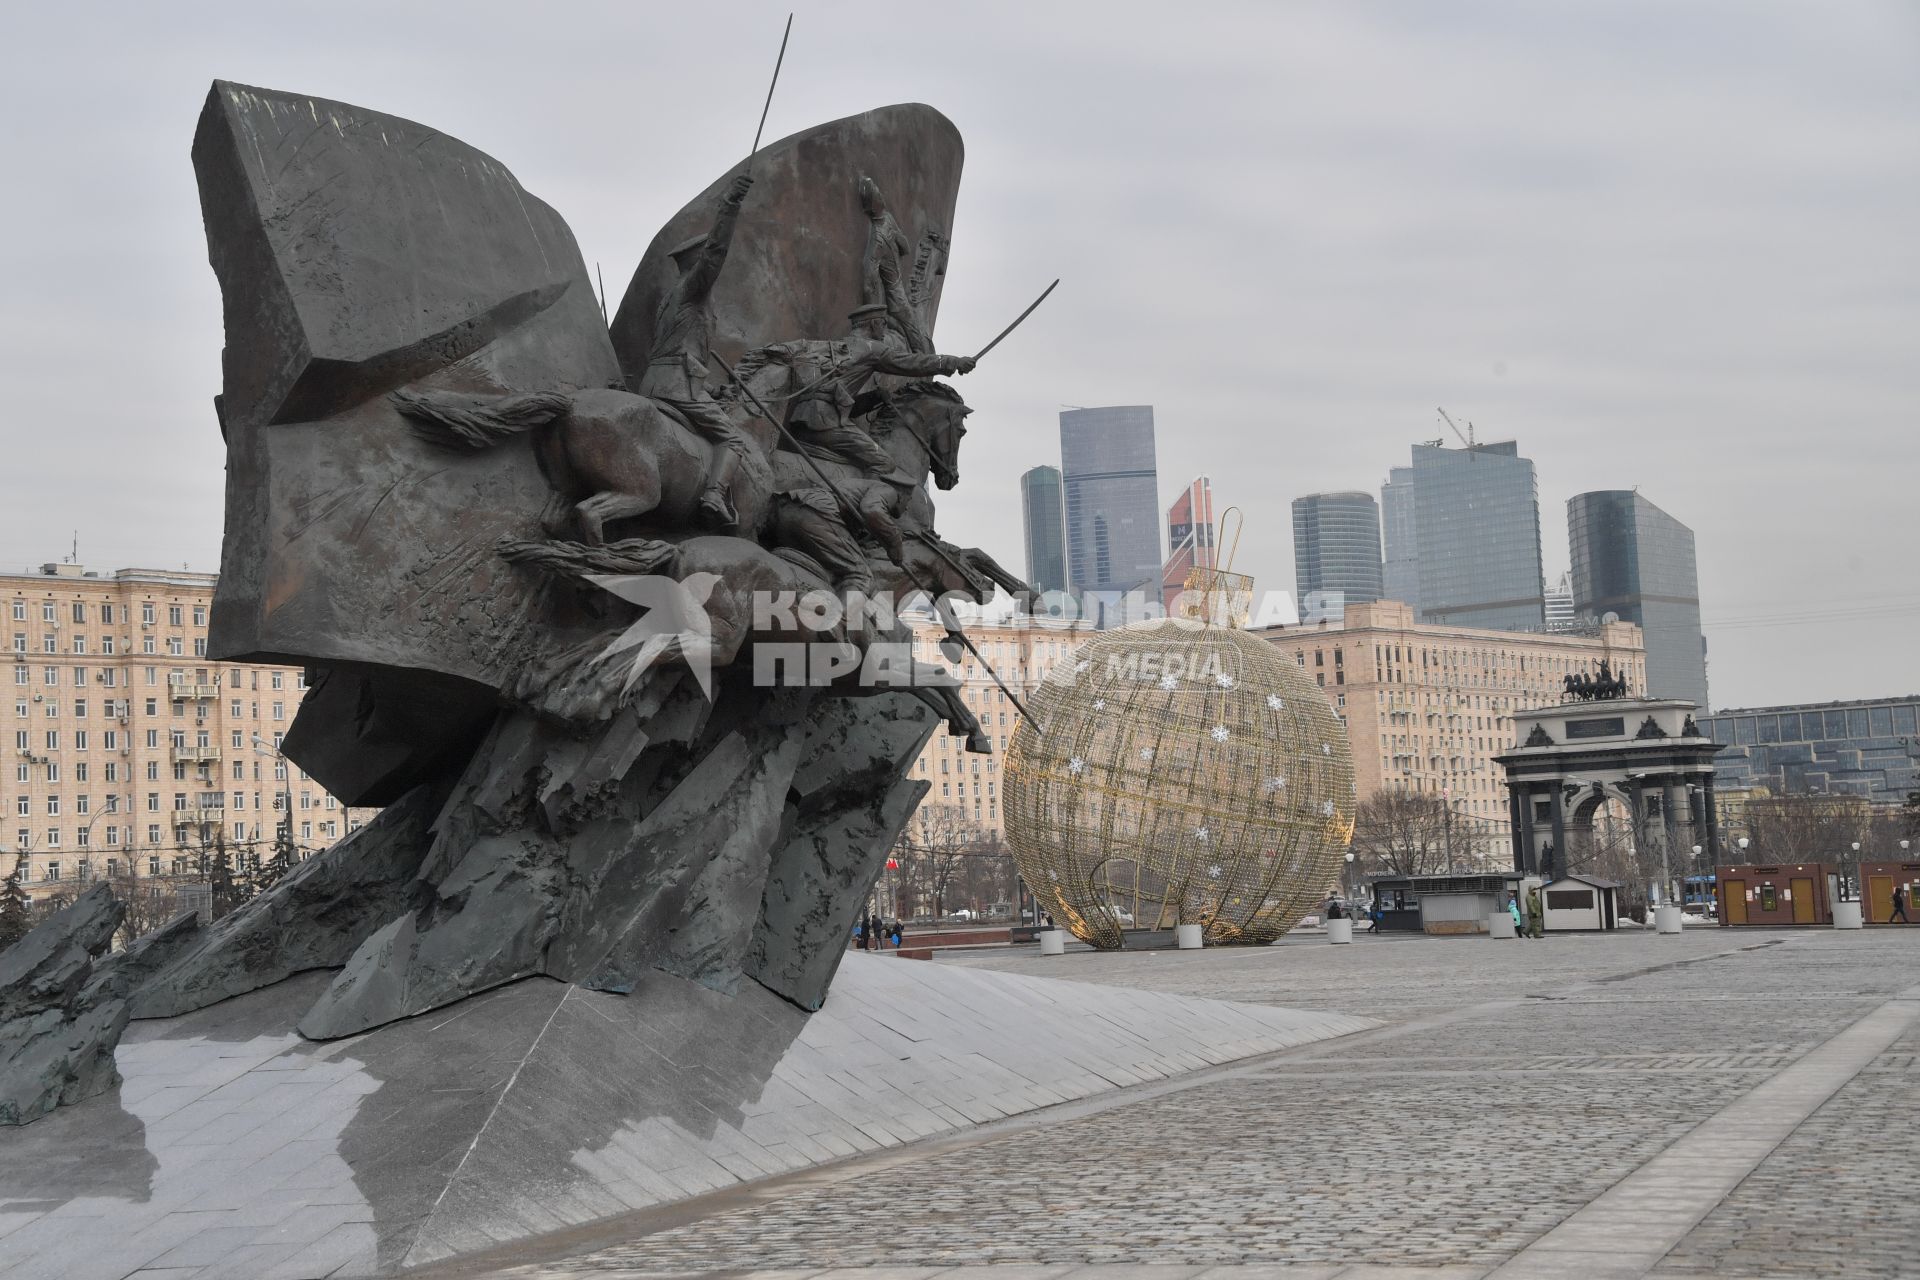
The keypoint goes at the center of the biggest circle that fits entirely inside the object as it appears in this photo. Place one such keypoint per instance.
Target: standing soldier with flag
(676, 376)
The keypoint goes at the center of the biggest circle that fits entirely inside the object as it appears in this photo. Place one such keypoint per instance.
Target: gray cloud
(1661, 245)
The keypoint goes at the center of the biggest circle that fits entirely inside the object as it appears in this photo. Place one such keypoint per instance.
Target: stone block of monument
(528, 585)
(58, 1021)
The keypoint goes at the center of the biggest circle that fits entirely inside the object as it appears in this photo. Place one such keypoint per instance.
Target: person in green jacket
(1536, 918)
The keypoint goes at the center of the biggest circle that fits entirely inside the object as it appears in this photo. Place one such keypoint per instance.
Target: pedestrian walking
(1536, 918)
(896, 935)
(1373, 918)
(1899, 907)
(873, 933)
(1513, 909)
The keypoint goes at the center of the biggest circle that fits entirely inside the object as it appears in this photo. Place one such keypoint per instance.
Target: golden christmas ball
(1182, 773)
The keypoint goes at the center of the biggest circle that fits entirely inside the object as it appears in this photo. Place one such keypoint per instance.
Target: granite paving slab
(235, 1148)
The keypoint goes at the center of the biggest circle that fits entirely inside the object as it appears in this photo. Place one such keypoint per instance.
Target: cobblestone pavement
(1520, 1083)
(1841, 1196)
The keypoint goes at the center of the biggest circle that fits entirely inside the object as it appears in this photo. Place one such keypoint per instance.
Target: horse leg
(609, 458)
(595, 512)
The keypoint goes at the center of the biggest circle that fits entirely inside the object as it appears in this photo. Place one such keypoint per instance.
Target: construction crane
(1466, 437)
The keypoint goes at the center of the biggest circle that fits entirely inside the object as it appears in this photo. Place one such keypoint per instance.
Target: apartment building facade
(1428, 707)
(132, 753)
(1021, 652)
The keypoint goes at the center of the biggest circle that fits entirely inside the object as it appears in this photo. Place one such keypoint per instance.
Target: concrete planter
(1846, 915)
(1339, 931)
(1187, 937)
(1500, 925)
(1666, 919)
(1053, 942)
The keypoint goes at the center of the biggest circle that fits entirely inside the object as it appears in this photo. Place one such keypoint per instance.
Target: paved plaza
(1729, 1103)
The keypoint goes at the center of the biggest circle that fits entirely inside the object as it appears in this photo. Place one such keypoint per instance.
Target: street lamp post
(286, 788)
(1853, 881)
(1349, 880)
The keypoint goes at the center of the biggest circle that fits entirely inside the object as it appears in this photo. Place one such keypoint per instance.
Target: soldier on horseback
(831, 379)
(675, 375)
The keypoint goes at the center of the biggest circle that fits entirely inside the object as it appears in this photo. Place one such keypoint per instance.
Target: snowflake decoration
(1076, 765)
(1053, 875)
(1099, 704)
(1274, 702)
(1169, 683)
(1326, 808)
(1082, 665)
(1224, 680)
(1213, 872)
(1325, 750)
(1275, 783)
(1218, 733)
(1146, 753)
(1202, 834)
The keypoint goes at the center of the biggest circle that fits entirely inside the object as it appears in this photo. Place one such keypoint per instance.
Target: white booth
(1577, 902)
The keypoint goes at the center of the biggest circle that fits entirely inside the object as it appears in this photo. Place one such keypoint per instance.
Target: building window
(50, 872)
(174, 618)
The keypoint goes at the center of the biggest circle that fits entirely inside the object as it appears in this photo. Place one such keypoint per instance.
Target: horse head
(936, 419)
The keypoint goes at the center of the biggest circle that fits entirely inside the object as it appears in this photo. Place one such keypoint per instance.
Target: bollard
(1846, 915)
(1666, 919)
(1339, 931)
(1500, 925)
(1187, 937)
(1053, 942)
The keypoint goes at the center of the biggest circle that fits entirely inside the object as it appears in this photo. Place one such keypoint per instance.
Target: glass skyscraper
(1400, 574)
(1633, 559)
(1336, 548)
(1043, 517)
(1189, 538)
(1476, 518)
(1112, 499)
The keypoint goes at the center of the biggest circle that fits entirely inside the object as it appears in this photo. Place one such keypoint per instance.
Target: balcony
(196, 755)
(184, 689)
(205, 815)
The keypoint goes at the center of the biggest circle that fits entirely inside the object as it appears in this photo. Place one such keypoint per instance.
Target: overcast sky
(1667, 245)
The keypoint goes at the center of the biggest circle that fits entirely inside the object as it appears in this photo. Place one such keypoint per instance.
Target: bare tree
(1805, 828)
(932, 850)
(150, 903)
(1400, 834)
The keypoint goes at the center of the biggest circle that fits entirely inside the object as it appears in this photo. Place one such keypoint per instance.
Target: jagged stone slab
(313, 918)
(793, 269)
(59, 1021)
(850, 800)
(358, 253)
(236, 1148)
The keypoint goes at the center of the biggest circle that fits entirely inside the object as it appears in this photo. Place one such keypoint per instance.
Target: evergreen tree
(15, 919)
(285, 854)
(227, 891)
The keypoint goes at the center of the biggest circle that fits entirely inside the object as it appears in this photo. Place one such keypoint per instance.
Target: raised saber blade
(761, 127)
(1017, 319)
